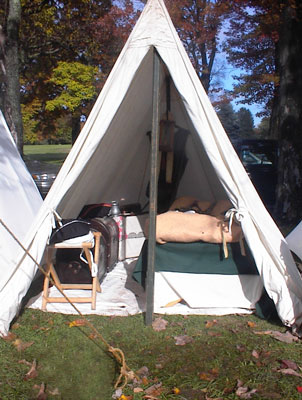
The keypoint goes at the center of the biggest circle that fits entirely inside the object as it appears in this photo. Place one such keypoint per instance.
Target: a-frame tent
(20, 201)
(111, 158)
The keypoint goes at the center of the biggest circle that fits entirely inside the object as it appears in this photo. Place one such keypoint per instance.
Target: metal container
(120, 220)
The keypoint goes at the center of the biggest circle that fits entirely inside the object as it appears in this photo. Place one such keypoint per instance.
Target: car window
(248, 157)
(251, 154)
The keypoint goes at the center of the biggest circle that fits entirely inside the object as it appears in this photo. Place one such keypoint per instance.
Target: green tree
(262, 129)
(227, 116)
(74, 84)
(245, 122)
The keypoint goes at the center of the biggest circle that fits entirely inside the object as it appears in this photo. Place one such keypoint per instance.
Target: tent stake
(153, 191)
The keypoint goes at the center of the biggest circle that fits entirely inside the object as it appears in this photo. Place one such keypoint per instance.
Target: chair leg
(45, 289)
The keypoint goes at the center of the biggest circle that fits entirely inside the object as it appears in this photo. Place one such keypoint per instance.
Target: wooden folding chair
(94, 286)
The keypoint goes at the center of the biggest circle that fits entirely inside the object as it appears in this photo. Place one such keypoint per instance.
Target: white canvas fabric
(122, 296)
(110, 160)
(294, 240)
(20, 201)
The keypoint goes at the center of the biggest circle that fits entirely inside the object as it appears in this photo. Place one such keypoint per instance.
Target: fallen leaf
(123, 397)
(143, 371)
(42, 395)
(77, 322)
(32, 373)
(282, 337)
(255, 354)
(117, 394)
(289, 364)
(154, 390)
(286, 337)
(10, 337)
(21, 345)
(251, 324)
(240, 348)
(172, 303)
(145, 381)
(138, 390)
(54, 392)
(228, 390)
(245, 393)
(209, 324)
(24, 362)
(209, 376)
(182, 340)
(289, 371)
(159, 324)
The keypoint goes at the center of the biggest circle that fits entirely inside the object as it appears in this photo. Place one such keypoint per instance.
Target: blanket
(196, 258)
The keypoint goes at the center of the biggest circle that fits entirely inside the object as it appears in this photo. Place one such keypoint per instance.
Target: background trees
(236, 123)
(88, 34)
(60, 48)
(199, 24)
(266, 40)
(10, 85)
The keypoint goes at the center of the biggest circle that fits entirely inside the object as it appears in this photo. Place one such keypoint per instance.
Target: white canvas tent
(294, 240)
(20, 201)
(110, 159)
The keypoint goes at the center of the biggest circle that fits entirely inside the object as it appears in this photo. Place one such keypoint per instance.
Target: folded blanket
(174, 226)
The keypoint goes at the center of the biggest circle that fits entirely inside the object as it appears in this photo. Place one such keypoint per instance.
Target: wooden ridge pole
(153, 189)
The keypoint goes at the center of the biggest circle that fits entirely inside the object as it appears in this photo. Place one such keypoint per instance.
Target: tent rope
(126, 374)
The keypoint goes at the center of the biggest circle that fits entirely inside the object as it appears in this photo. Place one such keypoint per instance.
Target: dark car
(43, 174)
(260, 159)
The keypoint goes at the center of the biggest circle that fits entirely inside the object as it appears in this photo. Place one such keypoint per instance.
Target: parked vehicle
(43, 174)
(260, 159)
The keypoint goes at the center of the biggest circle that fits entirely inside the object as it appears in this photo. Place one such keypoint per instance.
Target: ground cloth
(122, 295)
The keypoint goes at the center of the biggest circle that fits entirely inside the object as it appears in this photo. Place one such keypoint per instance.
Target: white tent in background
(20, 201)
(294, 240)
(110, 161)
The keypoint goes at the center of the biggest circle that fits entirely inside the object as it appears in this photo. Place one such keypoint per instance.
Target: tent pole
(153, 191)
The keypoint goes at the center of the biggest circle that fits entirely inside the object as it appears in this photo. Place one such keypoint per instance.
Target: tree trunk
(75, 126)
(12, 105)
(288, 116)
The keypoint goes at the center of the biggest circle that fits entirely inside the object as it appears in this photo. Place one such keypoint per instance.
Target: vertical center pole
(153, 191)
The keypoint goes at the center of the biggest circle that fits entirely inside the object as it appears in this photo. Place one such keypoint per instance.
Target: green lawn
(218, 358)
(52, 153)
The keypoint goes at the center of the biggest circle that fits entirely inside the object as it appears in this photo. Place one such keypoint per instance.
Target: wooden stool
(51, 272)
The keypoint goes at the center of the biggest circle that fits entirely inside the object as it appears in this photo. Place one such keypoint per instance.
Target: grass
(54, 154)
(73, 364)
